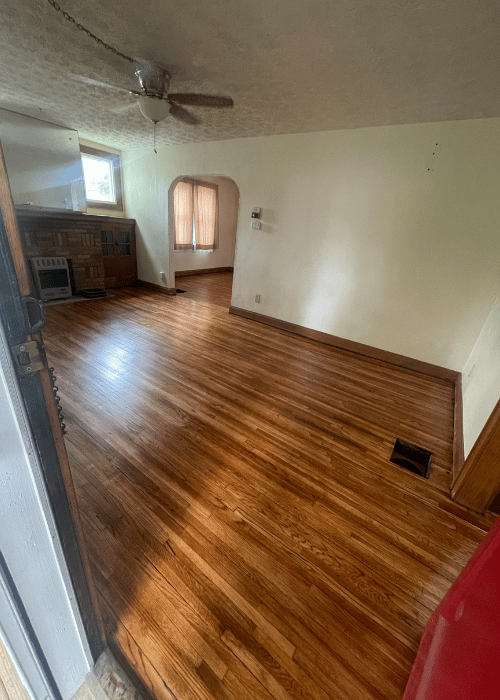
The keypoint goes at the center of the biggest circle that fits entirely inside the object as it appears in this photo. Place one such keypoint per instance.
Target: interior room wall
(96, 210)
(481, 379)
(386, 236)
(223, 255)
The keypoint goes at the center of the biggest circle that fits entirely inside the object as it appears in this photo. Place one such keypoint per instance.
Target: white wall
(376, 235)
(223, 255)
(31, 547)
(146, 194)
(481, 378)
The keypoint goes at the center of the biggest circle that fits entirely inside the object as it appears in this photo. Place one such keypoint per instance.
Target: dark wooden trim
(114, 159)
(170, 291)
(350, 345)
(205, 271)
(478, 482)
(8, 215)
(28, 212)
(458, 430)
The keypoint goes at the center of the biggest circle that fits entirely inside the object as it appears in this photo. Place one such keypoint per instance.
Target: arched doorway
(221, 257)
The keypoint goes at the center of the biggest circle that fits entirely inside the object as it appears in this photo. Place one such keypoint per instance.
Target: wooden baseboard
(352, 346)
(170, 291)
(458, 431)
(206, 271)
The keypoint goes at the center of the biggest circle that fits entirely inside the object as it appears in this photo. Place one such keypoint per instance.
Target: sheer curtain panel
(206, 216)
(183, 210)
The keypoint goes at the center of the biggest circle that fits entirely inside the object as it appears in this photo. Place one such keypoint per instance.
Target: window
(196, 206)
(102, 177)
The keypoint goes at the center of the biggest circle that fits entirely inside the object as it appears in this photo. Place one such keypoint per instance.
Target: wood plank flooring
(210, 288)
(249, 537)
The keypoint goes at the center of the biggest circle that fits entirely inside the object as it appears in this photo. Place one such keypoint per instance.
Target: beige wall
(223, 255)
(96, 210)
(386, 236)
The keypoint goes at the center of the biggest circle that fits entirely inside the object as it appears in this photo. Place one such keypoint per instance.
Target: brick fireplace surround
(72, 235)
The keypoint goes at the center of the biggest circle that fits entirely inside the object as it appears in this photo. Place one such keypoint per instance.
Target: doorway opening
(202, 236)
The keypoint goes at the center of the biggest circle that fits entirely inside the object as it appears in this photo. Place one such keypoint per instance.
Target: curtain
(206, 216)
(183, 210)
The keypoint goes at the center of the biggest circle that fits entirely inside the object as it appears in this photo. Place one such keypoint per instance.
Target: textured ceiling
(290, 66)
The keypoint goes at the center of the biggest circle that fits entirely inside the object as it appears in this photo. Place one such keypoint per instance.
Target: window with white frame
(102, 178)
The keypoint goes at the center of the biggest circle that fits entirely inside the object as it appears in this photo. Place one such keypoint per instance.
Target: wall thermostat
(256, 213)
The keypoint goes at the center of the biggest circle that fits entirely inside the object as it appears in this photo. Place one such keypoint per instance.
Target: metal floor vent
(93, 293)
(412, 457)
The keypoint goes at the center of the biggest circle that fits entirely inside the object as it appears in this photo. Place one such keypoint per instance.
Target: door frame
(477, 484)
(169, 280)
(23, 318)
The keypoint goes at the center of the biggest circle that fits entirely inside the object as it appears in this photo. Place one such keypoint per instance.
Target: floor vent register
(412, 457)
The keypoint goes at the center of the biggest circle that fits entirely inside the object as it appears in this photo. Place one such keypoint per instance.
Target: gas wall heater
(51, 277)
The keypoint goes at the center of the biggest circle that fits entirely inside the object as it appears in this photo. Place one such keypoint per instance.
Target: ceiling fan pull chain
(154, 137)
(67, 16)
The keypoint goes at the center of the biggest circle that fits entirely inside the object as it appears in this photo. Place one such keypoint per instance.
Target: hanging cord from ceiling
(87, 31)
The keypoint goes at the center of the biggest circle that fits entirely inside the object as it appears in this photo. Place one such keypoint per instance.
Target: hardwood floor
(249, 537)
(212, 288)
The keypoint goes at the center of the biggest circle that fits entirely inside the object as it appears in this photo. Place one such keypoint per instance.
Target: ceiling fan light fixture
(153, 108)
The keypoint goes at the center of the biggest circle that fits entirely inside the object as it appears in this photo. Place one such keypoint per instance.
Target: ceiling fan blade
(183, 115)
(96, 83)
(100, 84)
(125, 107)
(195, 100)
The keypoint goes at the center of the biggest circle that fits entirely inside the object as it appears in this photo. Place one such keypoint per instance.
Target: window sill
(103, 205)
(191, 250)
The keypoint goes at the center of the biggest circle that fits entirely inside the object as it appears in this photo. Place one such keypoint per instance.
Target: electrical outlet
(256, 224)
(257, 298)
(163, 277)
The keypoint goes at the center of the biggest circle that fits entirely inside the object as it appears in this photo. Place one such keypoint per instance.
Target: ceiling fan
(156, 102)
(154, 99)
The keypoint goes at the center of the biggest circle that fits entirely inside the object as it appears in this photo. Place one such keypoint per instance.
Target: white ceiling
(290, 65)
